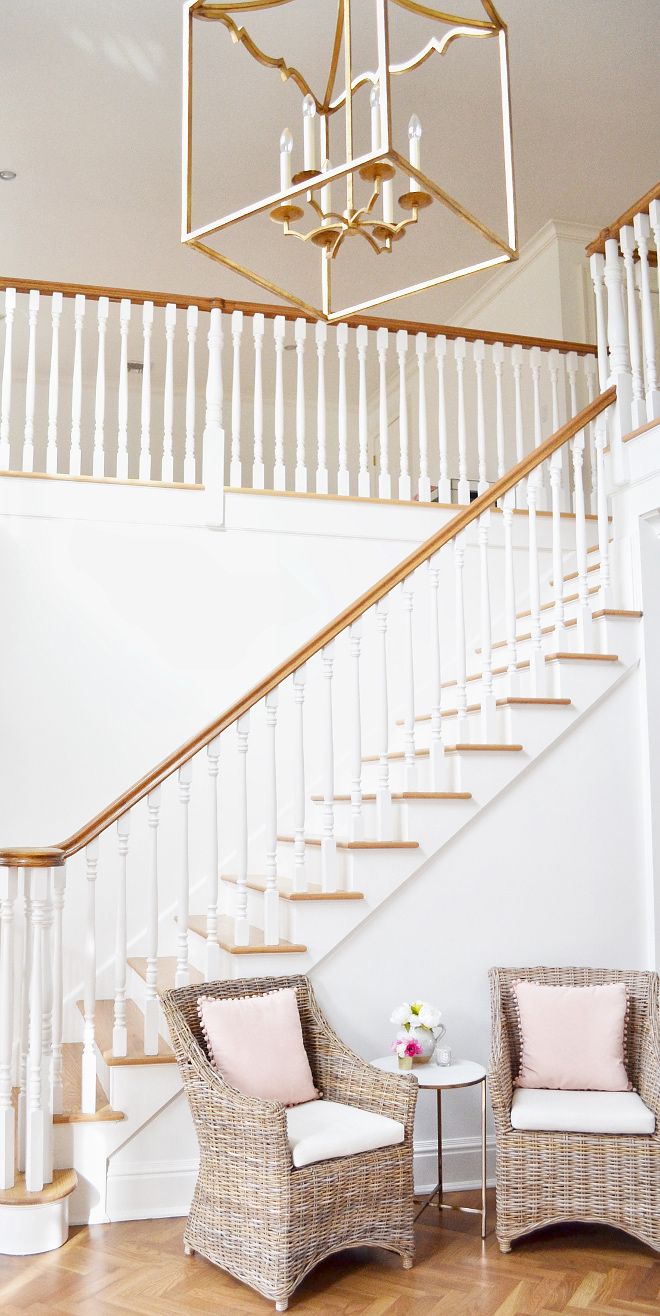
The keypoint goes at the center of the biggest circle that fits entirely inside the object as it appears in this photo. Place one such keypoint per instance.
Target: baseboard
(461, 1164)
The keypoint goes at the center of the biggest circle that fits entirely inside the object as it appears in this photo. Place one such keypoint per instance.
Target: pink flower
(413, 1048)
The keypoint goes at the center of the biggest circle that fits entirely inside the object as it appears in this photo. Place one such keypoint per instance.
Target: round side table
(459, 1074)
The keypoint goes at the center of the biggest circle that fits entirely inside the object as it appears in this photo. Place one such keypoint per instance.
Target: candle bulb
(374, 101)
(326, 195)
(414, 148)
(286, 147)
(309, 144)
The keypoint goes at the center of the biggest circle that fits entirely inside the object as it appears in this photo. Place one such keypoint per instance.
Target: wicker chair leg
(505, 1247)
(189, 1251)
(282, 1305)
(407, 1263)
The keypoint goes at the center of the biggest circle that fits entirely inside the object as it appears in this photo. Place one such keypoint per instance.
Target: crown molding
(554, 230)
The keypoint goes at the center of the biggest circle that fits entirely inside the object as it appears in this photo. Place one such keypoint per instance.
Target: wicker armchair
(253, 1213)
(545, 1178)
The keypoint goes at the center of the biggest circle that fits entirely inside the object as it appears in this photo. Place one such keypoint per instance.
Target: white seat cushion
(580, 1112)
(321, 1130)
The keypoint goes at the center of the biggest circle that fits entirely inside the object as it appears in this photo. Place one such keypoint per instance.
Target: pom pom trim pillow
(256, 1044)
(572, 1037)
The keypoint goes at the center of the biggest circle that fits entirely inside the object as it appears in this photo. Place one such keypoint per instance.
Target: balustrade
(375, 701)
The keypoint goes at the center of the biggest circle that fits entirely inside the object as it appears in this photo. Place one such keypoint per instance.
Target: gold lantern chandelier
(305, 208)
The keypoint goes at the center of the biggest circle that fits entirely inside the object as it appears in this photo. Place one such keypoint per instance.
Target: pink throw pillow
(256, 1044)
(572, 1037)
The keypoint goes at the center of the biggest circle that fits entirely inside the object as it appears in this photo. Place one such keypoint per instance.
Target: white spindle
(642, 230)
(498, 365)
(144, 470)
(535, 366)
(410, 762)
(361, 342)
(617, 336)
(424, 487)
(584, 632)
(98, 458)
(212, 947)
(299, 869)
(47, 1032)
(462, 729)
(479, 353)
(279, 472)
(405, 488)
(53, 383)
(167, 471)
(536, 657)
(119, 1032)
(5, 395)
(508, 504)
(122, 405)
(271, 895)
(591, 370)
(628, 244)
(384, 479)
(383, 792)
(189, 472)
(488, 710)
(328, 842)
(357, 821)
(343, 482)
(241, 926)
(88, 1101)
(460, 348)
(30, 381)
(557, 554)
(603, 520)
(8, 889)
(258, 473)
(59, 887)
(25, 1015)
(151, 1005)
(213, 442)
(35, 1133)
(516, 362)
(182, 975)
(321, 334)
(554, 366)
(235, 472)
(437, 742)
(444, 482)
(654, 219)
(597, 267)
(301, 460)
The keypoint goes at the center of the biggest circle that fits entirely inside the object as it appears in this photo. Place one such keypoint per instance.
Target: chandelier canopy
(376, 193)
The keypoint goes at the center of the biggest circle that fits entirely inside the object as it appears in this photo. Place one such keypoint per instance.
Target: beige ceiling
(90, 121)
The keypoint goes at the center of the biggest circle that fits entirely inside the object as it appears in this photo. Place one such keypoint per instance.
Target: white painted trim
(551, 232)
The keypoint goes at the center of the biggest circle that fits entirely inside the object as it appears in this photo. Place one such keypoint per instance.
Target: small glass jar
(443, 1056)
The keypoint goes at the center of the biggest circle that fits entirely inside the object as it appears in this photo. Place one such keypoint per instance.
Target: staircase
(283, 827)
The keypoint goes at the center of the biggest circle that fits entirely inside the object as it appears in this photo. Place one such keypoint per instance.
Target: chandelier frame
(373, 165)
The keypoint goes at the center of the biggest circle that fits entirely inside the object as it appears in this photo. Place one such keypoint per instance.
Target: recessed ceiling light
(6, 175)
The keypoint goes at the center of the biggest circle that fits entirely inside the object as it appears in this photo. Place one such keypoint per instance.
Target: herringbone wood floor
(139, 1267)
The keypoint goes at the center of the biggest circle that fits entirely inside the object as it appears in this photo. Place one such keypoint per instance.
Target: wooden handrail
(24, 857)
(182, 300)
(612, 231)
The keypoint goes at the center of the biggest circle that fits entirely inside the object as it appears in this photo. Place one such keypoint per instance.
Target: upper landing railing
(114, 382)
(623, 261)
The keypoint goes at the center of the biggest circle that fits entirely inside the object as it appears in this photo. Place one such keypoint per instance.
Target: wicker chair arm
(500, 1068)
(343, 1076)
(649, 1060)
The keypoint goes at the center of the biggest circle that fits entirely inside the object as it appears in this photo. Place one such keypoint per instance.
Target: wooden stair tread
(71, 1092)
(520, 666)
(103, 1025)
(197, 923)
(532, 700)
(616, 612)
(497, 749)
(573, 575)
(583, 657)
(474, 708)
(357, 845)
(366, 799)
(568, 598)
(286, 892)
(396, 754)
(432, 795)
(166, 971)
(522, 639)
(64, 1182)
